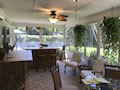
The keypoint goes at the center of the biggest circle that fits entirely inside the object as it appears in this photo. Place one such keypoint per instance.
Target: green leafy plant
(111, 36)
(93, 55)
(79, 32)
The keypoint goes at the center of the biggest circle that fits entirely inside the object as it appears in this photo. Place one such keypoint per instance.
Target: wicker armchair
(57, 80)
(96, 70)
(74, 61)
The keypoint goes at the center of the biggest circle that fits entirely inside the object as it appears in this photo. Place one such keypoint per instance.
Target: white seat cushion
(71, 64)
(85, 73)
(97, 67)
(68, 87)
(90, 77)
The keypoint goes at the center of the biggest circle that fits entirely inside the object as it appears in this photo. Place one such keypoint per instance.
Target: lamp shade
(53, 20)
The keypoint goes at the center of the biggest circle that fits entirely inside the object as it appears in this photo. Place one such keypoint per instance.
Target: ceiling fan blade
(62, 15)
(59, 17)
(62, 19)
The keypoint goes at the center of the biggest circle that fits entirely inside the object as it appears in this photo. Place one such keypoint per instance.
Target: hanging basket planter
(111, 35)
(79, 32)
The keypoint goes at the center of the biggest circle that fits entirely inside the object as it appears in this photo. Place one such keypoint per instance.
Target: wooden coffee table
(95, 83)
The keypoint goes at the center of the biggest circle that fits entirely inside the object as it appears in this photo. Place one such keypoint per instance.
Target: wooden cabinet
(12, 75)
(112, 71)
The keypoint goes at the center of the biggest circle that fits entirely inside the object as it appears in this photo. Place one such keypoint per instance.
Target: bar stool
(41, 60)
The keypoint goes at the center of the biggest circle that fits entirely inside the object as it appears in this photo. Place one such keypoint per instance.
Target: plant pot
(91, 62)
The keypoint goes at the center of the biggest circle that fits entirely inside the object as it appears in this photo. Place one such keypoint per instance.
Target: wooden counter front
(12, 70)
(49, 59)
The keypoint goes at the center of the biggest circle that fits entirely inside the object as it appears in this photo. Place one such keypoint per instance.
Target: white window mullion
(40, 36)
(64, 38)
(98, 40)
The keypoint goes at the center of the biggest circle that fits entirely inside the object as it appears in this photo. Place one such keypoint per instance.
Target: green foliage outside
(33, 34)
(24, 38)
(91, 53)
(89, 49)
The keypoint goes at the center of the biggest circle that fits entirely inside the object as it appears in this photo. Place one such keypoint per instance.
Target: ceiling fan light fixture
(53, 14)
(76, 0)
(53, 20)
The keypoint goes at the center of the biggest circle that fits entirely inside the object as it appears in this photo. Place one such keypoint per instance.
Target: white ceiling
(35, 12)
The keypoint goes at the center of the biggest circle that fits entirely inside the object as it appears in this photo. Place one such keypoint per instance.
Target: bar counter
(18, 56)
(15, 63)
(34, 48)
(47, 51)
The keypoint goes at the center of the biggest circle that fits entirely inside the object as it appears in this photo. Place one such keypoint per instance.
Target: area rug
(42, 80)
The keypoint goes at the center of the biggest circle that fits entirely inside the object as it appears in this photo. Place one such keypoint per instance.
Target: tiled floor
(43, 80)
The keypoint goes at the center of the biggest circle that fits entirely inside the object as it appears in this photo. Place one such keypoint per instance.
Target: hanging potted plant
(111, 36)
(79, 32)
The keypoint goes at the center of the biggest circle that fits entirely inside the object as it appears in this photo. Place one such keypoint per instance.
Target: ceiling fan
(59, 17)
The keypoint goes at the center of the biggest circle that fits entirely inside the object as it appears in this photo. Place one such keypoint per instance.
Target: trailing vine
(79, 32)
(111, 36)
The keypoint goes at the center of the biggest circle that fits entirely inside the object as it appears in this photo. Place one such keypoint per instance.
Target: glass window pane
(29, 38)
(91, 40)
(54, 38)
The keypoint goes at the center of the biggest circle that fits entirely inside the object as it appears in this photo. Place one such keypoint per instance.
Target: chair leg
(65, 69)
(74, 71)
(80, 79)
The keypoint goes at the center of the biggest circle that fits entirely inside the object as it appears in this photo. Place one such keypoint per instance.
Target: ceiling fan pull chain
(53, 29)
(112, 11)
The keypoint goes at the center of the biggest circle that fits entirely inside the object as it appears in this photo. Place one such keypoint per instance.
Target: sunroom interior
(26, 25)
